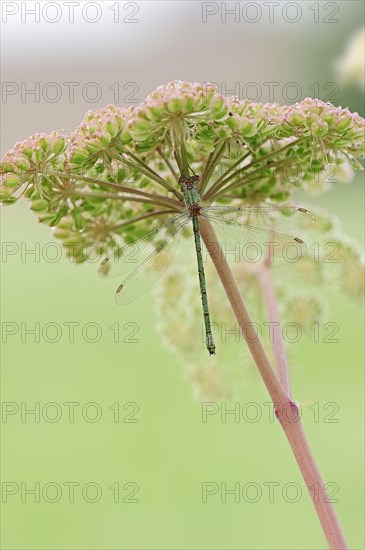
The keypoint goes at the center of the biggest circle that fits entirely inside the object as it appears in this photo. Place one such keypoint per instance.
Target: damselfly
(148, 257)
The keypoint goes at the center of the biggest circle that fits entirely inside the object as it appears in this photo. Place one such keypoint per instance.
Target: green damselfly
(148, 257)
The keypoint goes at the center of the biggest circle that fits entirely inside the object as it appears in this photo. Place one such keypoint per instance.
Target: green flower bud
(298, 119)
(224, 132)
(63, 210)
(248, 128)
(92, 148)
(61, 234)
(28, 152)
(329, 119)
(147, 145)
(112, 128)
(153, 113)
(104, 140)
(232, 122)
(47, 219)
(218, 109)
(125, 136)
(4, 195)
(78, 220)
(11, 180)
(30, 191)
(343, 123)
(44, 145)
(39, 205)
(188, 105)
(79, 156)
(65, 225)
(38, 155)
(319, 128)
(59, 146)
(8, 201)
(140, 130)
(23, 165)
(6, 167)
(175, 105)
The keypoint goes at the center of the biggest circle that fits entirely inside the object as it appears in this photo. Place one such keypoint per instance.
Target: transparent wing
(279, 218)
(261, 227)
(128, 257)
(143, 277)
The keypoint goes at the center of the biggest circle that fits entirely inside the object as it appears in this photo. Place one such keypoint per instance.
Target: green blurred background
(169, 452)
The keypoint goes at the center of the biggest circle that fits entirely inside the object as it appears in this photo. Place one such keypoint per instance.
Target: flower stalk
(222, 181)
(147, 170)
(144, 217)
(280, 357)
(122, 188)
(102, 195)
(212, 162)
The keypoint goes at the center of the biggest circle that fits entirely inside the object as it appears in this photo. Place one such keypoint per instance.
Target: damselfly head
(188, 182)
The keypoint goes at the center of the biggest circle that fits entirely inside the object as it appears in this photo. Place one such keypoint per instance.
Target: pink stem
(280, 358)
(286, 411)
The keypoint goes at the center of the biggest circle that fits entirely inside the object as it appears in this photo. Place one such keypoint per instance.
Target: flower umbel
(116, 174)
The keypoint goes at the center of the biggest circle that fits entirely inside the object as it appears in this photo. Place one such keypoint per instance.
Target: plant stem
(286, 411)
(178, 160)
(223, 180)
(149, 172)
(184, 158)
(258, 173)
(217, 183)
(101, 195)
(212, 162)
(168, 163)
(280, 357)
(143, 217)
(258, 353)
(122, 188)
